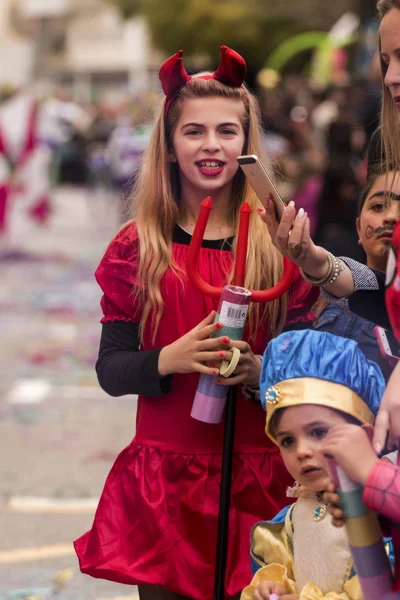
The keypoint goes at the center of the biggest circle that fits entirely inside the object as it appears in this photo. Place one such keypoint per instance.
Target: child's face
(299, 432)
(379, 214)
(207, 139)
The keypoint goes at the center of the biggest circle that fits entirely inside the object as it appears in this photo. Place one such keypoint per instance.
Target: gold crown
(272, 395)
(309, 390)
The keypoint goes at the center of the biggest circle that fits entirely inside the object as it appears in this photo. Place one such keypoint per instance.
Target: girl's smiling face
(208, 138)
(299, 432)
(377, 219)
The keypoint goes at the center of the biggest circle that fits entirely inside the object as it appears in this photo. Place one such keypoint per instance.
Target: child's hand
(266, 588)
(331, 498)
(248, 368)
(351, 448)
(191, 352)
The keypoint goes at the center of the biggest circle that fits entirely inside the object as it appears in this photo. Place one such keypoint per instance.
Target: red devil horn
(173, 74)
(232, 68)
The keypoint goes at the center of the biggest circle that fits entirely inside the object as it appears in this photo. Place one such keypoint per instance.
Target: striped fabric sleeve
(364, 279)
(382, 490)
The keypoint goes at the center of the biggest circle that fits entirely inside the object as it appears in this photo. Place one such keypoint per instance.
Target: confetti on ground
(53, 413)
(27, 594)
(62, 578)
(130, 597)
(32, 504)
(40, 553)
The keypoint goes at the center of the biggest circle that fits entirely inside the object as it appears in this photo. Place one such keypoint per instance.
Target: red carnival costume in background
(24, 168)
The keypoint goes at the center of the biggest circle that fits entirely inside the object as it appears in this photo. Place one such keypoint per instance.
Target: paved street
(59, 433)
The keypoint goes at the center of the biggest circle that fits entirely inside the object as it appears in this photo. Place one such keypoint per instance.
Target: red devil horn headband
(173, 75)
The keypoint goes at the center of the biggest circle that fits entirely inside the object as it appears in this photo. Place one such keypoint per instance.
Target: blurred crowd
(99, 145)
(315, 137)
(318, 140)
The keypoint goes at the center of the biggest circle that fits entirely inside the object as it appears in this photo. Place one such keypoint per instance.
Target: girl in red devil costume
(156, 523)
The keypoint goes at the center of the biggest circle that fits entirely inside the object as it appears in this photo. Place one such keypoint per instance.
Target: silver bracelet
(330, 276)
(337, 270)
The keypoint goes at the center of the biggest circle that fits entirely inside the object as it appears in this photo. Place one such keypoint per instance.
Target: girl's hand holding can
(248, 368)
(191, 352)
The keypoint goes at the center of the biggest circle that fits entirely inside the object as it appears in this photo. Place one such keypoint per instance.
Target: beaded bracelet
(330, 276)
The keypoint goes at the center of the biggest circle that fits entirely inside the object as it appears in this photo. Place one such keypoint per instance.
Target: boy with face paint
(379, 209)
(357, 316)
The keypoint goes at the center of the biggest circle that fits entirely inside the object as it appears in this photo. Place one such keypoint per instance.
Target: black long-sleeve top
(122, 368)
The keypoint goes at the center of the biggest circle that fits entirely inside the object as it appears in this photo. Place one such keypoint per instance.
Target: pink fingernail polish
(218, 325)
(218, 380)
(222, 355)
(225, 340)
(215, 372)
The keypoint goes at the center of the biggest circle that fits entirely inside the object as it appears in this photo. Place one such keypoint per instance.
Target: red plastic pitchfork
(230, 413)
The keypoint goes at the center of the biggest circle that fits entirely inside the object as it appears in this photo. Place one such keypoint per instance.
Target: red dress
(156, 522)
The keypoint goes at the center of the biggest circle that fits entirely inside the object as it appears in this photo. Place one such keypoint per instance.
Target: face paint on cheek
(369, 232)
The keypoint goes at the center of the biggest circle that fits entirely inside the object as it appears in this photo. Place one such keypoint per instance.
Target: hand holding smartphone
(388, 345)
(261, 182)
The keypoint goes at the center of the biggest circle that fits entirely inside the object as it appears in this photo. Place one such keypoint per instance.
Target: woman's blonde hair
(156, 209)
(390, 121)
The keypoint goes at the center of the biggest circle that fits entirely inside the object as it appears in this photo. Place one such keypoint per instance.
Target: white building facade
(82, 44)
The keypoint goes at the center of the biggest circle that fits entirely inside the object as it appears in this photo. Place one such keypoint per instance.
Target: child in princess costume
(380, 477)
(310, 383)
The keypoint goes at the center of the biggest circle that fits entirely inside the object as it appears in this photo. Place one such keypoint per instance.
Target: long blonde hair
(156, 208)
(390, 118)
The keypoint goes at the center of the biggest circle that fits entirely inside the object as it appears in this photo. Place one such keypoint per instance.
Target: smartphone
(261, 182)
(389, 347)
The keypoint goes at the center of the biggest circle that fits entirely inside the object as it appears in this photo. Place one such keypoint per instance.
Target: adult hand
(191, 352)
(331, 498)
(248, 368)
(388, 418)
(291, 236)
(351, 448)
(264, 590)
